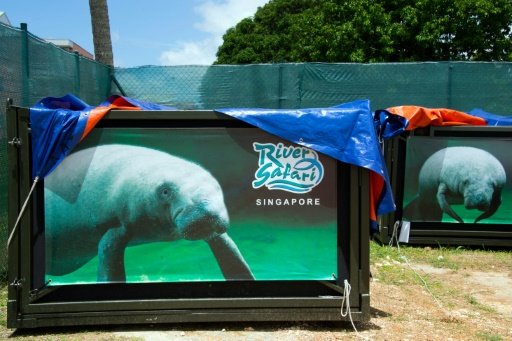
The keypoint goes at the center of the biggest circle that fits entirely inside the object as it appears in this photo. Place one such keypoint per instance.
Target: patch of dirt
(467, 306)
(494, 288)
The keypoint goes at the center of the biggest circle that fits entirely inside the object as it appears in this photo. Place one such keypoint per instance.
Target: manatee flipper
(493, 207)
(111, 250)
(443, 203)
(231, 261)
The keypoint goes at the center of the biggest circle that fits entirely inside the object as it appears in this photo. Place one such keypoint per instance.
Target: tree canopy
(371, 31)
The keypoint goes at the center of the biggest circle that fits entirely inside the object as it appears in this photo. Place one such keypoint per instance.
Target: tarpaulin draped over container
(344, 132)
(492, 119)
(395, 120)
(59, 124)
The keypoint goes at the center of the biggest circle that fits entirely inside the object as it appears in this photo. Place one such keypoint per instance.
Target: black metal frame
(424, 233)
(33, 305)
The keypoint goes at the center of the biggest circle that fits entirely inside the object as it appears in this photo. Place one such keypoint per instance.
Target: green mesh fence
(458, 85)
(31, 69)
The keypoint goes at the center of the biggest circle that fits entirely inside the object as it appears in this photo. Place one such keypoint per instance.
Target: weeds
(3, 304)
(475, 303)
(488, 336)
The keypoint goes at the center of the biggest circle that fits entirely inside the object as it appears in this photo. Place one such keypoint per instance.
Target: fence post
(77, 73)
(450, 85)
(301, 81)
(280, 86)
(25, 84)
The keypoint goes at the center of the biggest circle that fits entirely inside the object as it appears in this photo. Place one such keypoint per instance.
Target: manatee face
(200, 213)
(477, 196)
(194, 202)
(154, 195)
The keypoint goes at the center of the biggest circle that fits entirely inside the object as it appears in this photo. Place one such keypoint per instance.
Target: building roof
(66, 44)
(4, 19)
(71, 46)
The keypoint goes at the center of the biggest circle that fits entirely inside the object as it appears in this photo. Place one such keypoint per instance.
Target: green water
(272, 252)
(278, 242)
(502, 216)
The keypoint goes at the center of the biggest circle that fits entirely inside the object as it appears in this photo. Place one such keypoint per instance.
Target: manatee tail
(231, 261)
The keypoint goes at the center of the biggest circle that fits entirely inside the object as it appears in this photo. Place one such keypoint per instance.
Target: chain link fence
(456, 85)
(31, 69)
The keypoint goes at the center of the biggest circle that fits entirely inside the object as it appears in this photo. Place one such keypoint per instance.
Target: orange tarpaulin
(423, 117)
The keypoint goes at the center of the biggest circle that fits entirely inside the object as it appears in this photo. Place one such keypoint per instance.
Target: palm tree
(101, 32)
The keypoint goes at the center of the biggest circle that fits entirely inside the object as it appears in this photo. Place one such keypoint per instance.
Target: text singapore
(288, 202)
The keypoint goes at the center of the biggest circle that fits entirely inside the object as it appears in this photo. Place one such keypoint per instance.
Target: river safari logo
(293, 169)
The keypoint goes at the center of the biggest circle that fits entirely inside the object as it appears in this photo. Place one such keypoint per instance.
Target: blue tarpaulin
(59, 124)
(492, 119)
(344, 132)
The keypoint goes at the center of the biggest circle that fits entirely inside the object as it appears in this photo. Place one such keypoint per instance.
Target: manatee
(458, 175)
(100, 200)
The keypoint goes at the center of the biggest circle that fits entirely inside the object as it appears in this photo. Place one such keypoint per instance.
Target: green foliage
(3, 304)
(476, 304)
(489, 337)
(371, 31)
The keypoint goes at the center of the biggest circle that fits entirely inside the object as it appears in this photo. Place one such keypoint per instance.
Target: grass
(3, 304)
(387, 258)
(489, 337)
(475, 303)
(453, 258)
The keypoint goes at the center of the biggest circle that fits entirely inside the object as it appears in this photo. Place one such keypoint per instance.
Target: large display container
(452, 186)
(184, 216)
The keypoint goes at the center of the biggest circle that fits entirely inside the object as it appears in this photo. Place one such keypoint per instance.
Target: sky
(143, 32)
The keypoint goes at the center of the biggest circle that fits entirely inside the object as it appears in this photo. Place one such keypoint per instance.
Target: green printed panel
(159, 196)
(458, 180)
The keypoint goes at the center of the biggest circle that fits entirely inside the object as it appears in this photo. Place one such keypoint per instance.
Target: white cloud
(191, 53)
(216, 17)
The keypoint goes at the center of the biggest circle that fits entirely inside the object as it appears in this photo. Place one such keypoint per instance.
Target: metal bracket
(15, 142)
(8, 103)
(17, 283)
(37, 292)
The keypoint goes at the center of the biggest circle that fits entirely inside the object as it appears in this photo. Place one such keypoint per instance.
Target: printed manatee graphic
(458, 175)
(102, 199)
